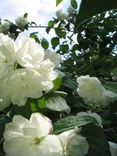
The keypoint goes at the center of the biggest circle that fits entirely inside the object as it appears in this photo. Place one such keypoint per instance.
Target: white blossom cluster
(92, 91)
(34, 137)
(114, 76)
(5, 26)
(62, 15)
(24, 71)
(21, 21)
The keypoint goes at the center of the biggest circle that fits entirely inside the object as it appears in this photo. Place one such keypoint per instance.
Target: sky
(39, 11)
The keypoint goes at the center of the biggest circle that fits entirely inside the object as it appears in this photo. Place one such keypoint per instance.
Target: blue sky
(39, 11)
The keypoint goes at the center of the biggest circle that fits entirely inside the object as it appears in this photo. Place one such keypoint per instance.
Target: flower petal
(42, 123)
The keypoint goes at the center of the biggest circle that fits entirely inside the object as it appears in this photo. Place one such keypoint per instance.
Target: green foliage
(90, 8)
(22, 110)
(96, 139)
(69, 82)
(88, 47)
(111, 86)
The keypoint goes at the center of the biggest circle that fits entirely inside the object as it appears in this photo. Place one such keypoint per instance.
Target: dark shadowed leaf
(74, 4)
(90, 8)
(98, 145)
(111, 86)
(3, 120)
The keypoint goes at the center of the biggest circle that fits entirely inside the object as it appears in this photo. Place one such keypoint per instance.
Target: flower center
(17, 66)
(38, 140)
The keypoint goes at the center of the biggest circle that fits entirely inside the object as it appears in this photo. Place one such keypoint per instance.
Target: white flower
(46, 70)
(54, 57)
(70, 10)
(61, 15)
(93, 115)
(29, 54)
(73, 144)
(92, 91)
(24, 83)
(24, 137)
(113, 148)
(5, 26)
(7, 55)
(114, 75)
(114, 78)
(21, 22)
(26, 72)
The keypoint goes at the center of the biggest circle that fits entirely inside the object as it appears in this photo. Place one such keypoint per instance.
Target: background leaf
(44, 43)
(96, 139)
(71, 122)
(3, 120)
(111, 86)
(90, 8)
(74, 4)
(57, 103)
(55, 41)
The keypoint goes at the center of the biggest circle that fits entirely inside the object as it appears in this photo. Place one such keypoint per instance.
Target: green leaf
(57, 83)
(57, 103)
(44, 43)
(42, 103)
(64, 48)
(98, 145)
(89, 8)
(113, 112)
(3, 120)
(75, 47)
(61, 33)
(50, 23)
(71, 122)
(70, 83)
(55, 41)
(25, 15)
(22, 110)
(58, 2)
(74, 4)
(2, 154)
(34, 35)
(112, 86)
